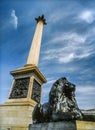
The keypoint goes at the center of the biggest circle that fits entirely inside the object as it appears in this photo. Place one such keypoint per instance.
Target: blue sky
(67, 48)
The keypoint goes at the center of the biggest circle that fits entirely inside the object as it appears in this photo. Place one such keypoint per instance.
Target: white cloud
(67, 59)
(85, 96)
(14, 20)
(87, 16)
(50, 81)
(72, 46)
(70, 57)
(69, 36)
(55, 17)
(46, 89)
(85, 89)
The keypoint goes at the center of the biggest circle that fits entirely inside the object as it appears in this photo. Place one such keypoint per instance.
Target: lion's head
(62, 87)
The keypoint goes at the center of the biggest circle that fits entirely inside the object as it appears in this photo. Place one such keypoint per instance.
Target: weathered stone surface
(66, 125)
(85, 125)
(78, 125)
(16, 114)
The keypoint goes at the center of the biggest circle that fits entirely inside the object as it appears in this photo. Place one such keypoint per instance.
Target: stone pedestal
(85, 125)
(25, 92)
(66, 125)
(26, 85)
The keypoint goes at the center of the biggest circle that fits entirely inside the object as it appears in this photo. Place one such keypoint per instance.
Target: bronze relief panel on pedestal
(20, 88)
(36, 91)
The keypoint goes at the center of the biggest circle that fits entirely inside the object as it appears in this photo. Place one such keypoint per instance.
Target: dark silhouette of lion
(62, 104)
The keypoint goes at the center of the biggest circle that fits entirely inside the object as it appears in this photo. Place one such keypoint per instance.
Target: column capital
(41, 18)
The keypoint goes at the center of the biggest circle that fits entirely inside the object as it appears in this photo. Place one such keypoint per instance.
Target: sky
(67, 47)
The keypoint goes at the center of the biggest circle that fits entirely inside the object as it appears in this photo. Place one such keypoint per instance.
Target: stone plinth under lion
(63, 125)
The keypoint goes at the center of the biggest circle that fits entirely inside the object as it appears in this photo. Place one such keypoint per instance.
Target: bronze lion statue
(62, 104)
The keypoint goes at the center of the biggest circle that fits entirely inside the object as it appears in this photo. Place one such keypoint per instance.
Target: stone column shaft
(33, 56)
(34, 53)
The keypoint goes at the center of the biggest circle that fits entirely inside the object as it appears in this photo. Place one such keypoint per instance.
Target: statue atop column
(62, 104)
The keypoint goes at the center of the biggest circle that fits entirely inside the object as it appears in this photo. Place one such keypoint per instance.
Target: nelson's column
(26, 88)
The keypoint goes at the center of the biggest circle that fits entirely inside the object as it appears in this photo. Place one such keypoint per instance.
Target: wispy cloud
(87, 16)
(85, 89)
(50, 81)
(73, 36)
(46, 88)
(14, 19)
(71, 46)
(84, 95)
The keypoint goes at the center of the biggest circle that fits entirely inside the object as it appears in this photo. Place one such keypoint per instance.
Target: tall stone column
(28, 80)
(26, 88)
(33, 56)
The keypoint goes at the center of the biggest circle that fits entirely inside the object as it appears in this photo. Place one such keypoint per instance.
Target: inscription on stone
(20, 88)
(36, 91)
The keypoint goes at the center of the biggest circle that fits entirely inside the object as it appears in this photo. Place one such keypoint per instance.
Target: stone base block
(85, 125)
(13, 127)
(15, 115)
(66, 125)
